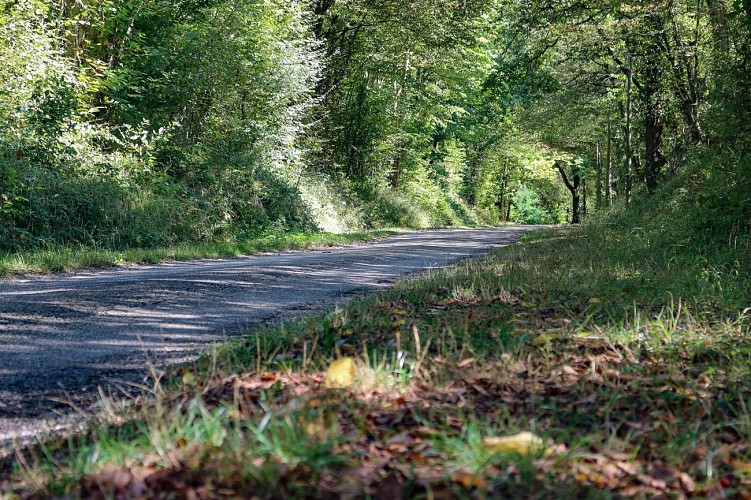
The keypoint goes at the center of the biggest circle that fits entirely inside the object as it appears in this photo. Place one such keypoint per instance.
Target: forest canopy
(151, 122)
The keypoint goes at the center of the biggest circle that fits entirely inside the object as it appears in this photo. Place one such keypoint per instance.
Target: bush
(527, 208)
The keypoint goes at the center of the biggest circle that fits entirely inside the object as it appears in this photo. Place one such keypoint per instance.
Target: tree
(573, 188)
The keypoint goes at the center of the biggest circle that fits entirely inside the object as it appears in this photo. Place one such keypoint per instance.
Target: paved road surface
(79, 330)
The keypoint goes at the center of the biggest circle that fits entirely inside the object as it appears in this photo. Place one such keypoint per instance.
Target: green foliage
(621, 323)
(146, 123)
(528, 210)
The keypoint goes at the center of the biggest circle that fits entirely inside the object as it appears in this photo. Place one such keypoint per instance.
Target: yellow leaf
(545, 338)
(594, 300)
(315, 428)
(341, 373)
(524, 443)
(189, 379)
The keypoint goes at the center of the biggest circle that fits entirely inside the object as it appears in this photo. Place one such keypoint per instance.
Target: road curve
(77, 330)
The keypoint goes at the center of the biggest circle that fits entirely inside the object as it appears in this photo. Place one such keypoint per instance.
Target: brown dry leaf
(569, 370)
(468, 480)
(524, 443)
(341, 373)
(399, 443)
(742, 467)
(466, 362)
(687, 483)
(631, 468)
(722, 454)
(424, 432)
(111, 479)
(348, 349)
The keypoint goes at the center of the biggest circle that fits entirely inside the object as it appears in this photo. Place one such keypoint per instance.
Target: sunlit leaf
(524, 443)
(341, 373)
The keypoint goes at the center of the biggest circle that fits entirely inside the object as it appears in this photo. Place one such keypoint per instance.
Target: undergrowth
(69, 259)
(623, 345)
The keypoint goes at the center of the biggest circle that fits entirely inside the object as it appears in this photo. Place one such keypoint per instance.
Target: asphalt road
(77, 331)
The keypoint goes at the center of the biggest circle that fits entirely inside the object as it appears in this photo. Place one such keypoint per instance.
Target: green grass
(637, 377)
(69, 259)
(624, 345)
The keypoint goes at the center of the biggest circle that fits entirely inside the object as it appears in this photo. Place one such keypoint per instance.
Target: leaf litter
(511, 397)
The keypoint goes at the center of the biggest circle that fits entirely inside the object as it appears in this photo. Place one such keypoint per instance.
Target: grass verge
(626, 359)
(70, 259)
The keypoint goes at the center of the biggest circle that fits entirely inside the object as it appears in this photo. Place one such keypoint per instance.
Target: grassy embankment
(69, 259)
(624, 346)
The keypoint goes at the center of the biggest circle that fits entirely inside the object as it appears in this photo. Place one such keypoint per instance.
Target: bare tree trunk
(584, 197)
(504, 198)
(627, 168)
(396, 173)
(574, 190)
(608, 168)
(598, 186)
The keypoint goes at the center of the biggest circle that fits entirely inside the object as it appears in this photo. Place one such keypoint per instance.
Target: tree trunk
(654, 122)
(584, 197)
(504, 195)
(684, 62)
(396, 173)
(574, 189)
(608, 168)
(598, 186)
(627, 167)
(320, 10)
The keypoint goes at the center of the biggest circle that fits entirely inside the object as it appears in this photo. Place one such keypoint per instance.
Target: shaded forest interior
(151, 122)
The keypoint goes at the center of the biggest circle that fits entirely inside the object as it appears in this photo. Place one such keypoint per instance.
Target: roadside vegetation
(607, 359)
(620, 347)
(70, 259)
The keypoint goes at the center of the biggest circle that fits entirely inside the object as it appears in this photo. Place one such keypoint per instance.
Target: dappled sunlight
(63, 330)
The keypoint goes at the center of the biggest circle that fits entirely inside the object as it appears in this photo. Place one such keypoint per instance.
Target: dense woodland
(151, 122)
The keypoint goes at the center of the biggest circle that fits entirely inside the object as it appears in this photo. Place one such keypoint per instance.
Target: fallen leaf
(741, 467)
(468, 480)
(349, 349)
(110, 480)
(189, 379)
(687, 482)
(524, 443)
(631, 468)
(545, 338)
(341, 373)
(570, 370)
(466, 362)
